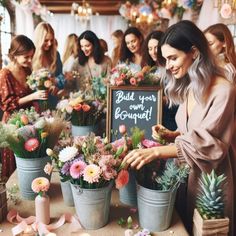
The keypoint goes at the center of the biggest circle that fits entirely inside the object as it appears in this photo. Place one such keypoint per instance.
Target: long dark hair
(146, 58)
(125, 53)
(185, 36)
(98, 54)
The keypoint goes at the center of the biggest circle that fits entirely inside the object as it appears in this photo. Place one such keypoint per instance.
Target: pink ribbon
(23, 223)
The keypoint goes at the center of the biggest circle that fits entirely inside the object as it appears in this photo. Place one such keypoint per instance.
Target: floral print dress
(10, 92)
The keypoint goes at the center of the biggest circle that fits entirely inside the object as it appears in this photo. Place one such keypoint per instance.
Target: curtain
(102, 26)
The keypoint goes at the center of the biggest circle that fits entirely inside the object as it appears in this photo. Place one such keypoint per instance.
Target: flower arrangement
(123, 75)
(99, 87)
(40, 80)
(40, 185)
(84, 109)
(91, 163)
(28, 135)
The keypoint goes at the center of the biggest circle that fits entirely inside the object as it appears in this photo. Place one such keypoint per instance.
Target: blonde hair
(70, 47)
(116, 51)
(40, 33)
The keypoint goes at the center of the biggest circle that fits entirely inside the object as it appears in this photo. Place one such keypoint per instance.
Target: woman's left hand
(140, 157)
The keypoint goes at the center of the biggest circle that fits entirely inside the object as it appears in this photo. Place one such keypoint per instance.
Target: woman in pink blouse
(14, 92)
(206, 134)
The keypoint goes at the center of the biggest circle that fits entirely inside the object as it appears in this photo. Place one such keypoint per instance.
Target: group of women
(199, 78)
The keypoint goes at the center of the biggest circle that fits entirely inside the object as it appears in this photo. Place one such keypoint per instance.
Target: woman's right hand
(40, 95)
(163, 135)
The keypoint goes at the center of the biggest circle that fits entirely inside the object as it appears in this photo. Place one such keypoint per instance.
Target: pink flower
(122, 129)
(133, 81)
(48, 168)
(122, 179)
(149, 143)
(119, 81)
(40, 184)
(92, 173)
(226, 11)
(76, 169)
(108, 173)
(31, 144)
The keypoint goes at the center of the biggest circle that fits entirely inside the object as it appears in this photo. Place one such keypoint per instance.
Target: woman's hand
(39, 95)
(53, 90)
(140, 157)
(163, 135)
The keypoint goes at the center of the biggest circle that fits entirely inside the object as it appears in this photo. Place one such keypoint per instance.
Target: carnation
(68, 153)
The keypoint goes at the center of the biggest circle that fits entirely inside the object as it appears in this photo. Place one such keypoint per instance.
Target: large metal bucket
(67, 193)
(155, 208)
(27, 170)
(83, 130)
(92, 205)
(128, 194)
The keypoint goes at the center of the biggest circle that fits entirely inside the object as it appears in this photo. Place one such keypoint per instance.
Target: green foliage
(172, 176)
(137, 135)
(210, 200)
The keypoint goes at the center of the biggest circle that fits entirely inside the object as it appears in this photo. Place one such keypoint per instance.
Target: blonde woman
(70, 54)
(46, 56)
(117, 37)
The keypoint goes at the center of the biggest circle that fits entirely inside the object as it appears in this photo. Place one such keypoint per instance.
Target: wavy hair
(125, 54)
(146, 58)
(98, 53)
(40, 33)
(223, 34)
(70, 47)
(183, 36)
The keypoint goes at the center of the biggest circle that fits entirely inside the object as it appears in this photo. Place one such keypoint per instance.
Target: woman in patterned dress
(14, 92)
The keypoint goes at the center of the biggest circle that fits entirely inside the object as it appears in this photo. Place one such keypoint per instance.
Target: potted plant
(84, 110)
(157, 184)
(28, 135)
(208, 218)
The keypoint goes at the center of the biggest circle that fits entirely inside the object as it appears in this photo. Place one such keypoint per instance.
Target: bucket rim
(156, 190)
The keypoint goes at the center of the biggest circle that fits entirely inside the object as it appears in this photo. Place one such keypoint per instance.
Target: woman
(14, 92)
(70, 54)
(131, 46)
(93, 64)
(116, 37)
(222, 46)
(206, 134)
(149, 58)
(46, 56)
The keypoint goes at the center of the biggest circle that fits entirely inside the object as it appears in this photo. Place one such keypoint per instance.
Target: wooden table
(57, 208)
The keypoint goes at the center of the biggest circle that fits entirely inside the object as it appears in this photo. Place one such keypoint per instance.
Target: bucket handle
(79, 189)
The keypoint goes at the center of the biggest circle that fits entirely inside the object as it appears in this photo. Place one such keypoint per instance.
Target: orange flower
(24, 119)
(44, 134)
(77, 107)
(86, 107)
(47, 83)
(122, 179)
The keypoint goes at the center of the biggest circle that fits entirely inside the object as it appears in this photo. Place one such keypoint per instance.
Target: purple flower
(65, 170)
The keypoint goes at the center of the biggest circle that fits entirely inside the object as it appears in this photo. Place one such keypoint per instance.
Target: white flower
(67, 154)
(49, 152)
(40, 124)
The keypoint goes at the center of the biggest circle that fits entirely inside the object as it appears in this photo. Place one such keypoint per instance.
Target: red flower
(31, 144)
(122, 179)
(86, 107)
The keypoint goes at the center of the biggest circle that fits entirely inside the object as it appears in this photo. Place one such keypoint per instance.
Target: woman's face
(216, 45)
(48, 41)
(177, 62)
(25, 60)
(133, 43)
(86, 47)
(152, 48)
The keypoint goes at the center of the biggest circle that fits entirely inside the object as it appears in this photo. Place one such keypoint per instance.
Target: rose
(122, 129)
(226, 11)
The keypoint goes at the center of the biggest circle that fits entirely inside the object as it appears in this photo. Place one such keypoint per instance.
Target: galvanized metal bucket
(27, 170)
(92, 205)
(67, 193)
(155, 208)
(83, 130)
(128, 194)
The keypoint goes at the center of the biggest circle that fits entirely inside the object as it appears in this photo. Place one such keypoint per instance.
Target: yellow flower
(76, 101)
(44, 134)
